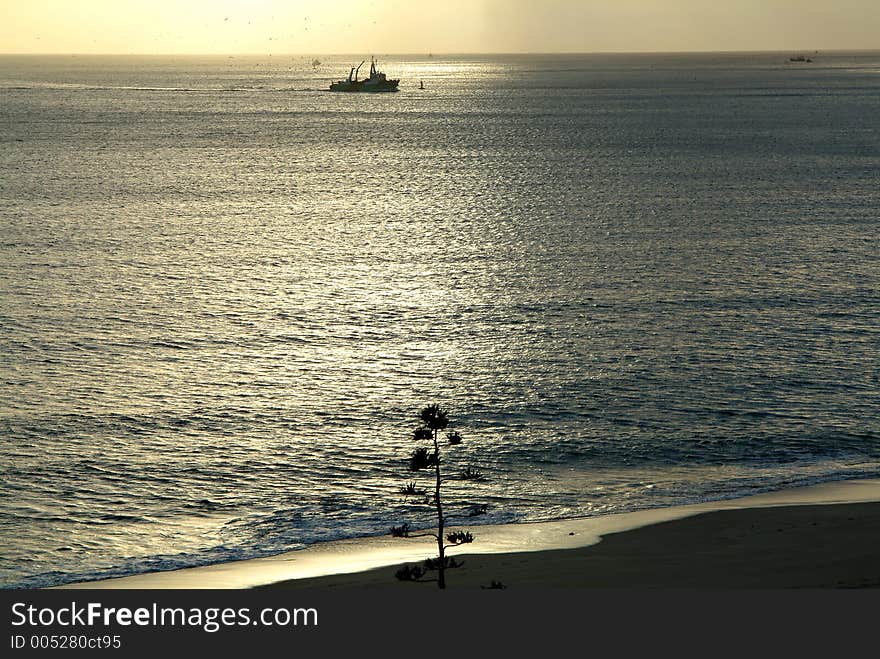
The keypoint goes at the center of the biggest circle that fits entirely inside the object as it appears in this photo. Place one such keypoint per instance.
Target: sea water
(634, 280)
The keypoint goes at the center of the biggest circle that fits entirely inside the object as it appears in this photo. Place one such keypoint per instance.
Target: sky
(434, 26)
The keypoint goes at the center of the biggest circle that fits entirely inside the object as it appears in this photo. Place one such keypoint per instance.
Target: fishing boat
(377, 82)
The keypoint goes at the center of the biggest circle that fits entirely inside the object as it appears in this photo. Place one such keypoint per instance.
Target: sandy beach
(822, 536)
(822, 546)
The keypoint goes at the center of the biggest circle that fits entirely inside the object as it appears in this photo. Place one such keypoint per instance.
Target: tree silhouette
(434, 419)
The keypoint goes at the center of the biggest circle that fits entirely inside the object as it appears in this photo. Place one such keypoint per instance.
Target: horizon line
(441, 54)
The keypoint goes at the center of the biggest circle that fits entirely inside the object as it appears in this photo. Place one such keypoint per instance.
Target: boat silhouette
(377, 82)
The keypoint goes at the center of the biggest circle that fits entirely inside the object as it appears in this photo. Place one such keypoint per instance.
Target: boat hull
(364, 87)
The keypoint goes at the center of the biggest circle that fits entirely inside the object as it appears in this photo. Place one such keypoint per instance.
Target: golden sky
(438, 26)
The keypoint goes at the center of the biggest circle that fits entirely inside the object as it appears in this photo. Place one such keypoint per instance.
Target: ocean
(634, 281)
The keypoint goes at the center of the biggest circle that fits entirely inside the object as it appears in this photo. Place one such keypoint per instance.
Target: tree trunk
(441, 570)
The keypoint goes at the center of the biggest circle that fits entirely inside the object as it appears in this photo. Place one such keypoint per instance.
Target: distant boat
(316, 63)
(799, 58)
(377, 82)
(421, 84)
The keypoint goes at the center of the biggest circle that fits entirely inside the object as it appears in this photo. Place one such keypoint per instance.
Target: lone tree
(434, 419)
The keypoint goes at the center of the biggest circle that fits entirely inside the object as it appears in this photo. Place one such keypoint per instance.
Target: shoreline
(777, 547)
(359, 562)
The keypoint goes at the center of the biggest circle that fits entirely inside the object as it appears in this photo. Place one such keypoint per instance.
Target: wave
(225, 553)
